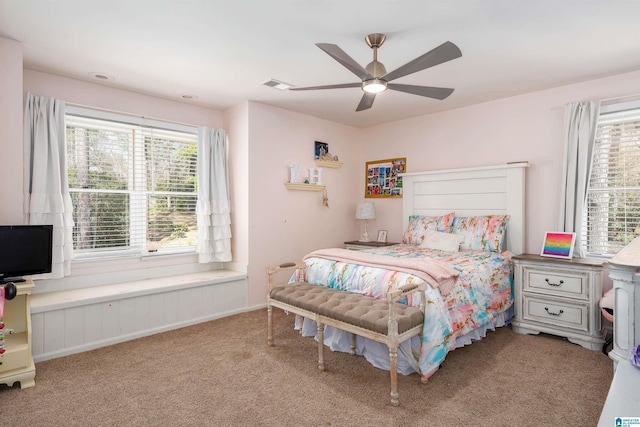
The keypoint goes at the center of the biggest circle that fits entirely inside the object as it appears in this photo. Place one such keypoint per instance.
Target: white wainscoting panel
(73, 321)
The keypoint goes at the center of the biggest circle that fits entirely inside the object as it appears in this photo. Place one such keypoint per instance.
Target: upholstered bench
(385, 321)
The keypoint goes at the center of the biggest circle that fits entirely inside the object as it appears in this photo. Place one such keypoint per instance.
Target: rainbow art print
(558, 245)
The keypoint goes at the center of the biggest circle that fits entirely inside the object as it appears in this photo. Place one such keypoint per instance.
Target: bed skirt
(378, 354)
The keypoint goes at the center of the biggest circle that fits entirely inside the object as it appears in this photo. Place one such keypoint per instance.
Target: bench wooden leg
(320, 345)
(269, 325)
(353, 344)
(393, 370)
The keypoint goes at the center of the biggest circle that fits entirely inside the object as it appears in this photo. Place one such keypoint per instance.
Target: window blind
(613, 195)
(133, 187)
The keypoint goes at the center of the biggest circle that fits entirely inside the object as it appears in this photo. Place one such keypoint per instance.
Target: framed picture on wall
(382, 177)
(558, 244)
(321, 148)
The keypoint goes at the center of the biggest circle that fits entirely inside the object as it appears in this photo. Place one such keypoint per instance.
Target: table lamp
(366, 211)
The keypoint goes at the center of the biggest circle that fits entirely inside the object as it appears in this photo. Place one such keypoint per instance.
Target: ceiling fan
(375, 78)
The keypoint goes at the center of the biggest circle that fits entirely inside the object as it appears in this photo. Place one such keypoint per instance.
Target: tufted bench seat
(385, 321)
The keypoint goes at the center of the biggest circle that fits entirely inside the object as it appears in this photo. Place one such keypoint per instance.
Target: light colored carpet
(222, 373)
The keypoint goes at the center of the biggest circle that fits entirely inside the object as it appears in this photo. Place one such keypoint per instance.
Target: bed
(472, 221)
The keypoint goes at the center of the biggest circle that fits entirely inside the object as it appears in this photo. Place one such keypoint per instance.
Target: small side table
(559, 297)
(357, 245)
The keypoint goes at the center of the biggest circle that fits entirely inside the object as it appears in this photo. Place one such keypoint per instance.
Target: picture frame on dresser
(558, 244)
(382, 236)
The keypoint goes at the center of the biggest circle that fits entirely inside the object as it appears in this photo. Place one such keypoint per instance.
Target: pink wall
(521, 128)
(236, 122)
(10, 132)
(285, 225)
(103, 96)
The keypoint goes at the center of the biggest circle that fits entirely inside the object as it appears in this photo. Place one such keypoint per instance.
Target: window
(133, 185)
(613, 194)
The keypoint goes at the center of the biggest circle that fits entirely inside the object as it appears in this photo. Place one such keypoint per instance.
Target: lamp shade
(365, 210)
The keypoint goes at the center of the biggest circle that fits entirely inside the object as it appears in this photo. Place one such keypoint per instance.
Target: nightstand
(559, 297)
(357, 245)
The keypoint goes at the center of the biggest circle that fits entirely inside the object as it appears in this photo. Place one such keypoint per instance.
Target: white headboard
(468, 192)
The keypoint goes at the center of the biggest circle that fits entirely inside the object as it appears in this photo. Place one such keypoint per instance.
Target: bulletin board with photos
(382, 177)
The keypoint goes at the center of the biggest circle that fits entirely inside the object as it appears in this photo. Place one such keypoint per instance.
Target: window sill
(94, 272)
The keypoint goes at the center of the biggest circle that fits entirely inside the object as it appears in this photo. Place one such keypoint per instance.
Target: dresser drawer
(556, 313)
(567, 283)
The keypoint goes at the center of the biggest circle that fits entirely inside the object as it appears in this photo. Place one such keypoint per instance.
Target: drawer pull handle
(554, 284)
(551, 313)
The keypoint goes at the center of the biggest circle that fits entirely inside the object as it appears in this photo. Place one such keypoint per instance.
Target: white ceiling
(221, 51)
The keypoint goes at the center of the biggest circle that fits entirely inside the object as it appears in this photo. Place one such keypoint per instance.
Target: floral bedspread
(482, 291)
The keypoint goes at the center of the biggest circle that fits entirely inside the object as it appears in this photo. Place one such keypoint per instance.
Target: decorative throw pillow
(443, 241)
(481, 233)
(419, 224)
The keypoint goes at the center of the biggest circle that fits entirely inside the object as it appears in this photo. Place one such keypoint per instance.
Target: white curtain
(213, 208)
(46, 189)
(580, 123)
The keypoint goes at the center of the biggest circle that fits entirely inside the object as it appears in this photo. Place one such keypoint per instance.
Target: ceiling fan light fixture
(375, 79)
(374, 86)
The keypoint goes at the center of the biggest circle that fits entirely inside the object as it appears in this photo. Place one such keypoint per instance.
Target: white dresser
(624, 270)
(559, 297)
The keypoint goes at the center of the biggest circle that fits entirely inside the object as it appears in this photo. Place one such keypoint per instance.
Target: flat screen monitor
(25, 250)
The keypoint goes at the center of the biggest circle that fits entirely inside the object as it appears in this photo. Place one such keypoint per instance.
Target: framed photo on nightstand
(382, 236)
(558, 244)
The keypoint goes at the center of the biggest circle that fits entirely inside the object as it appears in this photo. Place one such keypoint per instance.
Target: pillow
(443, 241)
(419, 224)
(481, 233)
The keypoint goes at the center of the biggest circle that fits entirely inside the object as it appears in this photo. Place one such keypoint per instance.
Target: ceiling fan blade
(366, 102)
(342, 57)
(340, 86)
(430, 92)
(443, 53)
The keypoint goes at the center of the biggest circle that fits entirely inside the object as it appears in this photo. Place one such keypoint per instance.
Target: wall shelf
(328, 164)
(304, 187)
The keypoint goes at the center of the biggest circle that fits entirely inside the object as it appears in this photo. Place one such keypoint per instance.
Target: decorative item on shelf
(365, 211)
(320, 149)
(558, 245)
(7, 292)
(294, 174)
(315, 176)
(382, 236)
(325, 199)
(329, 157)
(382, 177)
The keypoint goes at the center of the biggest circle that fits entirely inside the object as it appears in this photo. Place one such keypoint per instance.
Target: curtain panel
(46, 188)
(213, 206)
(580, 124)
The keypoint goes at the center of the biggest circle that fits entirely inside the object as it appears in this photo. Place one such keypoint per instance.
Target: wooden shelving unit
(16, 364)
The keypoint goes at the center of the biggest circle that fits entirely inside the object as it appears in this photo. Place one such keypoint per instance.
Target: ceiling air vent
(277, 84)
